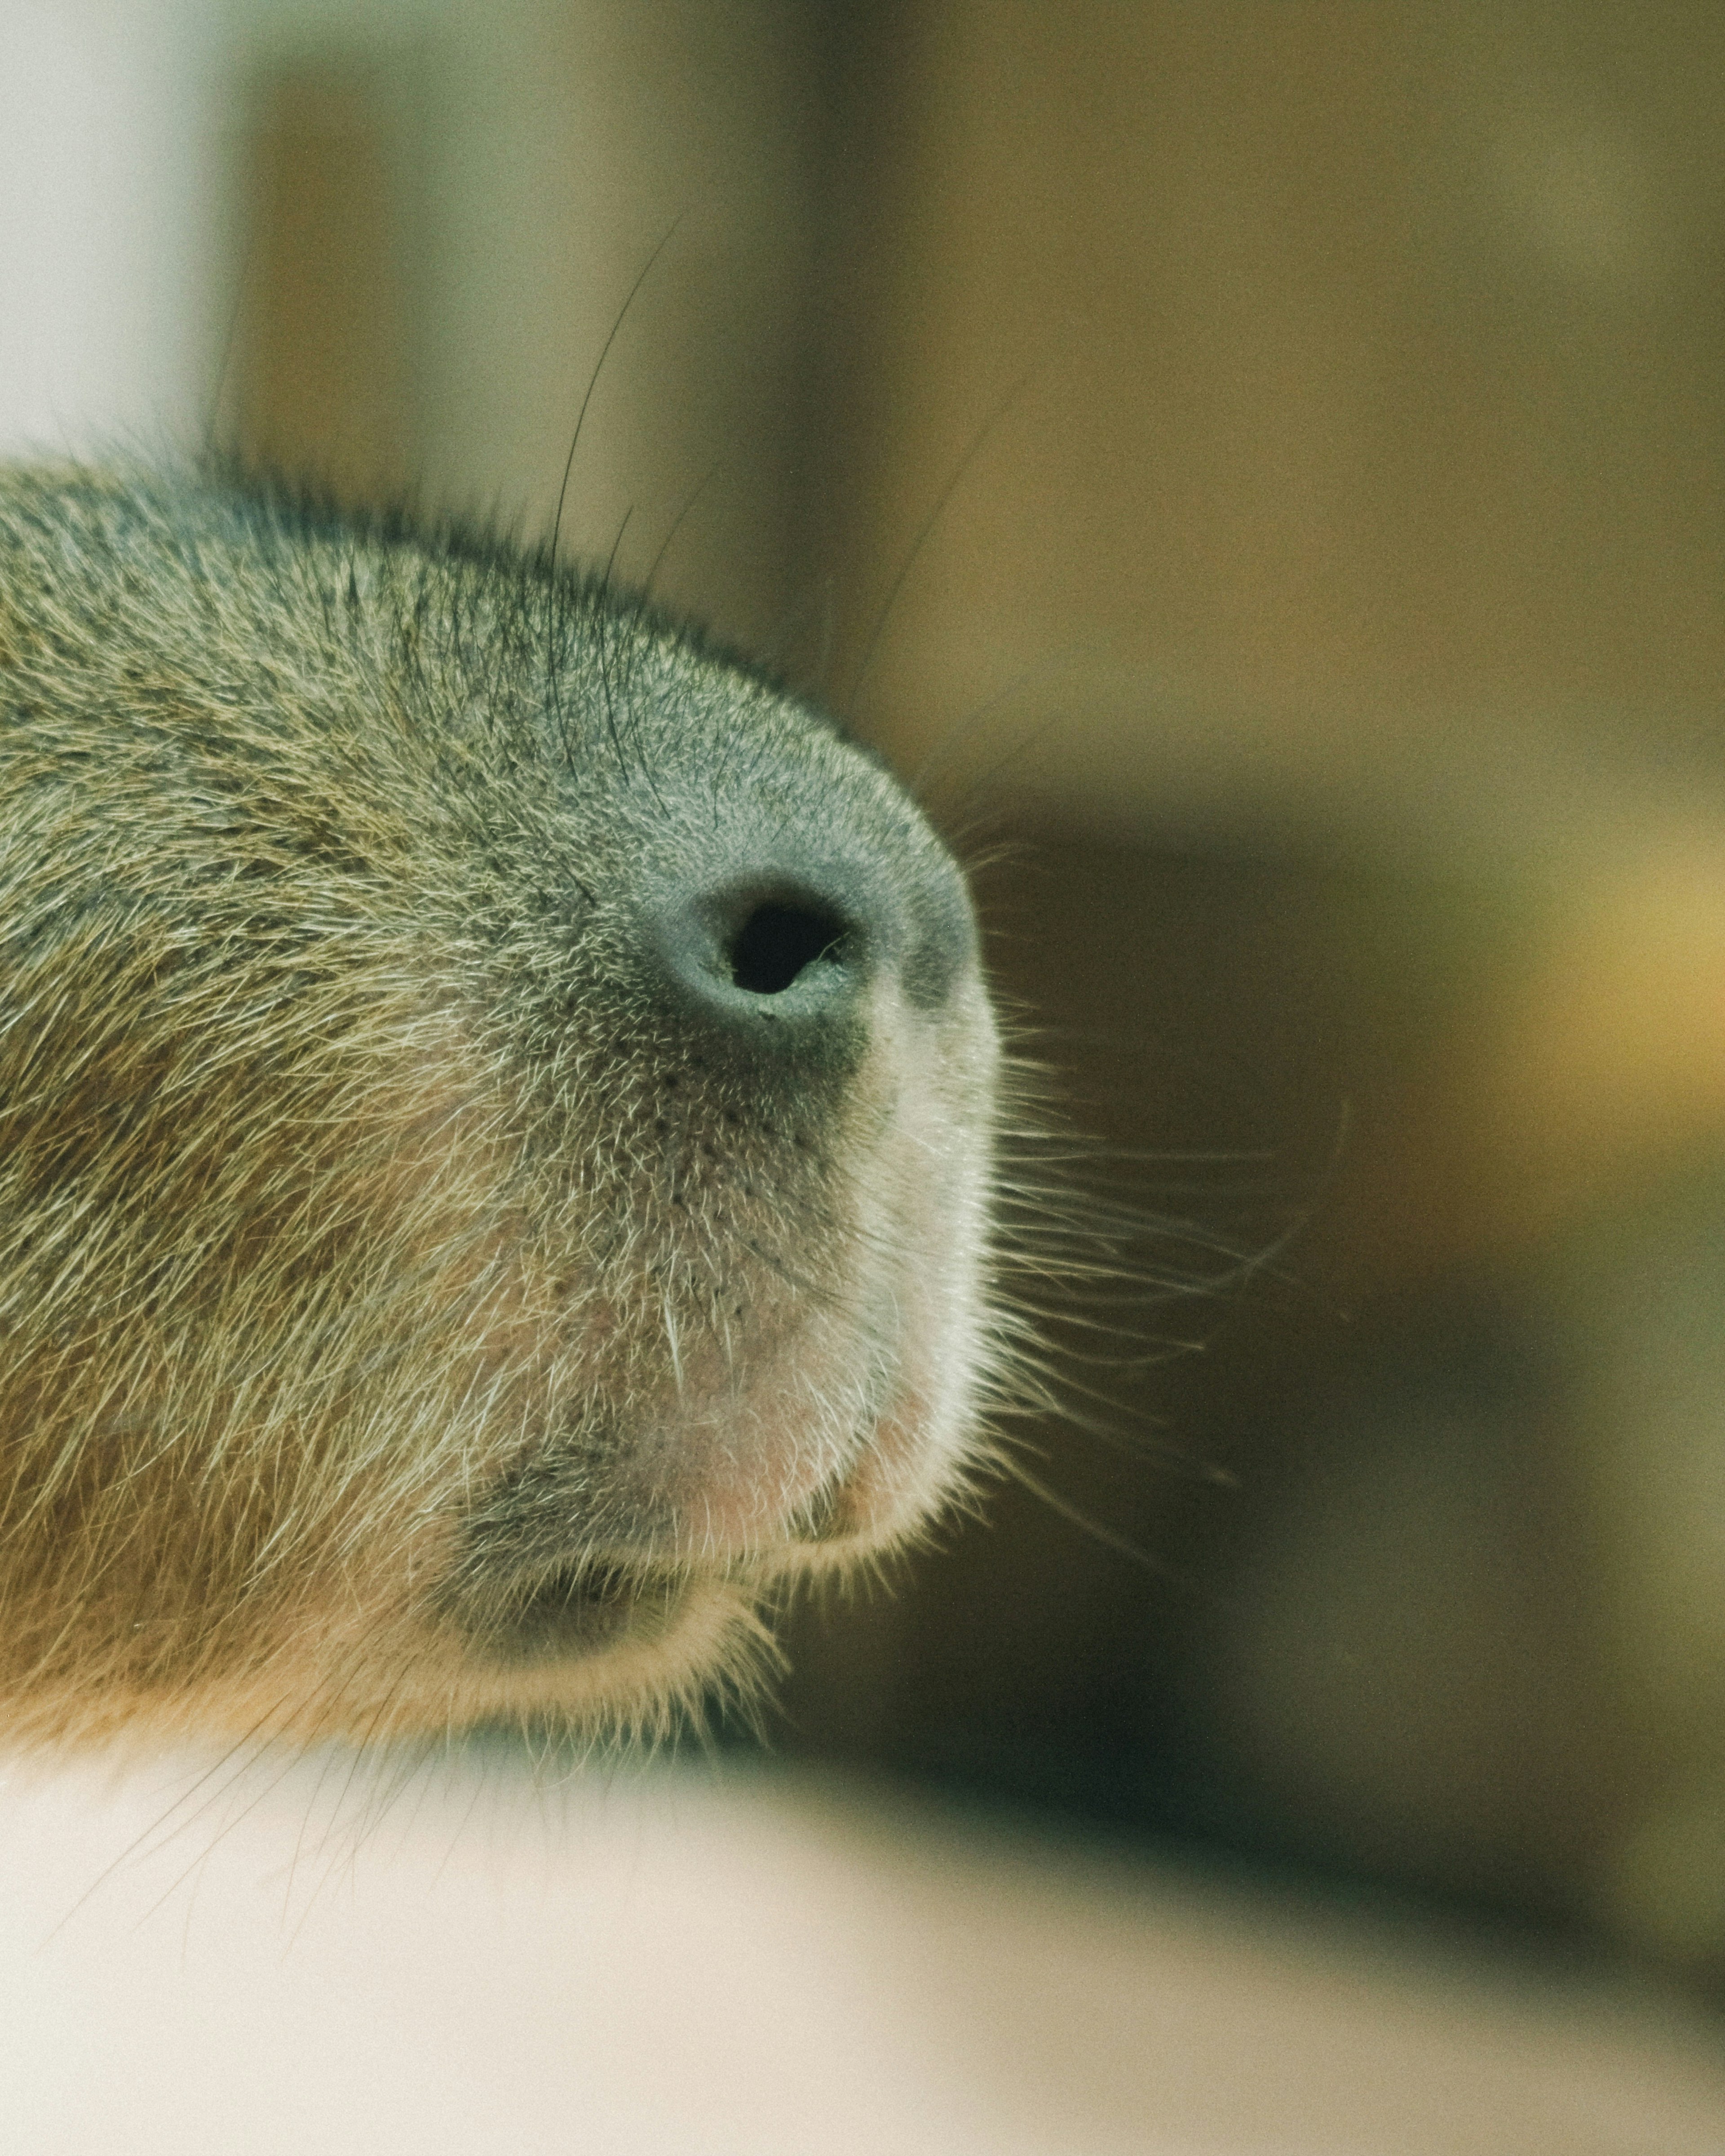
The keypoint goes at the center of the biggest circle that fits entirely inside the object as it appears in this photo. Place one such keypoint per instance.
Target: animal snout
(499, 1175)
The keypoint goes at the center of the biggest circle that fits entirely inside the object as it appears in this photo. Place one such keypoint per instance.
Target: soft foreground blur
(196, 1961)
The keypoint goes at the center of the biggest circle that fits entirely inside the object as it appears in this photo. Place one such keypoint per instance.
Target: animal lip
(576, 1610)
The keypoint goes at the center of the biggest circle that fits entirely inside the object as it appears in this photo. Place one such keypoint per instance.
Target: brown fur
(379, 1250)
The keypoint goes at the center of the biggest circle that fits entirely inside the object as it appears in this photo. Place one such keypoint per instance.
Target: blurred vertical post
(110, 234)
(563, 145)
(318, 382)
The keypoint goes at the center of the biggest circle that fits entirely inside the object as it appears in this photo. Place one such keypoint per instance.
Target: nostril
(777, 943)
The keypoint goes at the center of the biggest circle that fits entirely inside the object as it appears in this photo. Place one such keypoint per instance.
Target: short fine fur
(496, 1124)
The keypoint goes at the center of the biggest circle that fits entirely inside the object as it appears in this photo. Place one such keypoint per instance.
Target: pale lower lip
(577, 1611)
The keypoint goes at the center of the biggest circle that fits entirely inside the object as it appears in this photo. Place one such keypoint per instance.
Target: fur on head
(495, 1126)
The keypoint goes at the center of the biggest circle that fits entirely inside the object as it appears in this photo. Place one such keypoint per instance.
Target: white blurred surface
(706, 1964)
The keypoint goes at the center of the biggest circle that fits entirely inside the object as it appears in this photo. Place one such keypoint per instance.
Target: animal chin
(753, 1498)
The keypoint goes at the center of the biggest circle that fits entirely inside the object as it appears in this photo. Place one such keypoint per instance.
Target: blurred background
(1259, 470)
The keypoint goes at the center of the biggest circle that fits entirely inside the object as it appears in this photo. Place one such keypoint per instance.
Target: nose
(777, 964)
(769, 949)
(791, 950)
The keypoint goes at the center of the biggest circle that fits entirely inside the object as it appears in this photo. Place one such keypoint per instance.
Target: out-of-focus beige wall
(1364, 373)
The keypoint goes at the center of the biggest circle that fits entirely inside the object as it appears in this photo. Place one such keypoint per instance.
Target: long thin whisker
(972, 449)
(690, 500)
(592, 383)
(1094, 1528)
